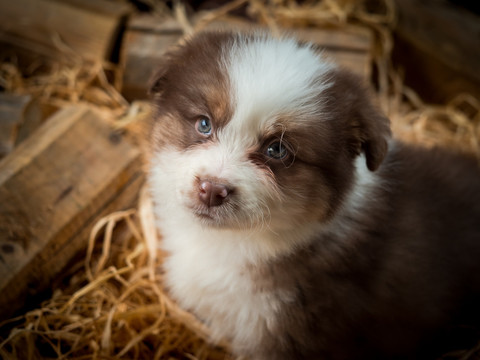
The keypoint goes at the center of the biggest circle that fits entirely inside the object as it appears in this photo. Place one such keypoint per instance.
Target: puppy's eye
(276, 150)
(204, 126)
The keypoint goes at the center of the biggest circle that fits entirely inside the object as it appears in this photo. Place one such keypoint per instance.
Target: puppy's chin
(217, 217)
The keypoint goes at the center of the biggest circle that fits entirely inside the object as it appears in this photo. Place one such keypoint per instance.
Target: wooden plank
(151, 24)
(437, 44)
(35, 115)
(349, 46)
(142, 53)
(147, 39)
(448, 33)
(89, 28)
(53, 187)
(11, 116)
(348, 37)
(20, 116)
(144, 43)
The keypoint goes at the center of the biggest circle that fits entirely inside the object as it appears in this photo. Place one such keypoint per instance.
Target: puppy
(295, 226)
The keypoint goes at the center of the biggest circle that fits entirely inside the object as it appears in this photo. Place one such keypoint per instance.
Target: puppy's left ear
(158, 80)
(367, 130)
(374, 130)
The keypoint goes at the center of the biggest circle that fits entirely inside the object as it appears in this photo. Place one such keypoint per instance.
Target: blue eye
(276, 150)
(204, 126)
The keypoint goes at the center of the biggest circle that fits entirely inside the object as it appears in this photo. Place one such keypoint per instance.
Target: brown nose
(213, 194)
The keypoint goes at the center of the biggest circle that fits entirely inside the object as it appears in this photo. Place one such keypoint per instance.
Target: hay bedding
(114, 306)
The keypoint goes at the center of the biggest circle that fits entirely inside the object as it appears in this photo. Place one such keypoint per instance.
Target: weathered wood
(36, 113)
(349, 46)
(438, 43)
(53, 187)
(144, 44)
(88, 28)
(15, 112)
(147, 39)
(20, 116)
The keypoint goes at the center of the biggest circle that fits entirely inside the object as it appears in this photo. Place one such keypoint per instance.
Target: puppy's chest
(222, 289)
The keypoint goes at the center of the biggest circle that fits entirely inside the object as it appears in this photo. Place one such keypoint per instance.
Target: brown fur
(404, 284)
(196, 86)
(389, 281)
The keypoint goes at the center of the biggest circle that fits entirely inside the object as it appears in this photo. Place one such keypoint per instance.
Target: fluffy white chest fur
(208, 270)
(212, 279)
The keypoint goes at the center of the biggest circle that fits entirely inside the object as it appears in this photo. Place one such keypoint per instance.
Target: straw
(115, 305)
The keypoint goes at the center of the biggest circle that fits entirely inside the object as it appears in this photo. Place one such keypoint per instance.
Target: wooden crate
(438, 45)
(18, 114)
(350, 46)
(147, 39)
(82, 28)
(53, 188)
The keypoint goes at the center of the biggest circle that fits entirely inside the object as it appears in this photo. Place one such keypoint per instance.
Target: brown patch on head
(316, 173)
(319, 171)
(191, 83)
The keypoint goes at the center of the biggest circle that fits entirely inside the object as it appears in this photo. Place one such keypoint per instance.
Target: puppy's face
(251, 131)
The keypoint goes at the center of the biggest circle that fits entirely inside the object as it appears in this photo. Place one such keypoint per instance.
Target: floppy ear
(158, 80)
(374, 133)
(367, 129)
(168, 62)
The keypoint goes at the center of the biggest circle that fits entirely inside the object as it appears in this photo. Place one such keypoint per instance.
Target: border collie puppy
(295, 227)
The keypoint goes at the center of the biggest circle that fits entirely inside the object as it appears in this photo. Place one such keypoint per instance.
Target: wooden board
(147, 39)
(349, 46)
(53, 188)
(36, 113)
(143, 45)
(437, 43)
(15, 110)
(20, 116)
(87, 28)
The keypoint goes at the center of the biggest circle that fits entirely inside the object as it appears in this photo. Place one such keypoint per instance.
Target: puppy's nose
(213, 194)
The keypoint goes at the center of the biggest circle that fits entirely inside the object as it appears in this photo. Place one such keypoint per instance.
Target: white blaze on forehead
(271, 77)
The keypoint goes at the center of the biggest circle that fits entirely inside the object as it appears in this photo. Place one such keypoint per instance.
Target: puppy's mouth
(218, 216)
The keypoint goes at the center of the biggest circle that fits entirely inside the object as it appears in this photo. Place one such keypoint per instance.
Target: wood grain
(349, 46)
(144, 49)
(15, 111)
(147, 40)
(53, 188)
(437, 44)
(87, 28)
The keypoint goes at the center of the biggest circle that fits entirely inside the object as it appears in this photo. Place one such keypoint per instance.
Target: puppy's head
(252, 131)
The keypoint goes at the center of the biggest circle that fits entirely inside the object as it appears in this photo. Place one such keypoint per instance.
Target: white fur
(271, 78)
(207, 267)
(365, 182)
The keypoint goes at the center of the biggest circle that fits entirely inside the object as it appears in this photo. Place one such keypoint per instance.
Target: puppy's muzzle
(213, 193)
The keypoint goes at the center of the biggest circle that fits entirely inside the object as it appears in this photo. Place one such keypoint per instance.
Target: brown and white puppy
(295, 227)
